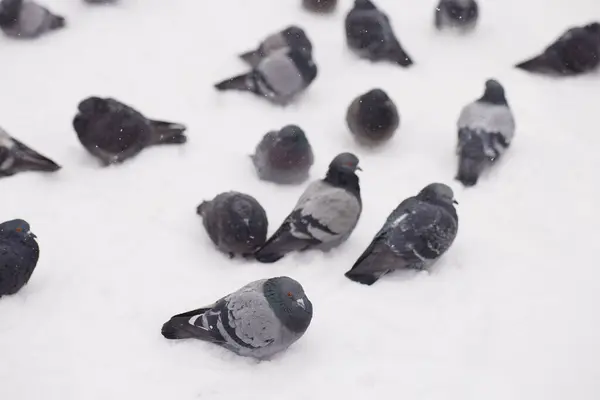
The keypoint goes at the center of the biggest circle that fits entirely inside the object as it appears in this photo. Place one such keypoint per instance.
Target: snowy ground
(509, 313)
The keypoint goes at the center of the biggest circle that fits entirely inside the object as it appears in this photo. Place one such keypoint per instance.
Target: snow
(509, 313)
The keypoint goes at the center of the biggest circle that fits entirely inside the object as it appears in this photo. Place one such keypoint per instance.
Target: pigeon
(259, 320)
(284, 157)
(485, 130)
(320, 6)
(235, 222)
(16, 157)
(279, 77)
(324, 216)
(27, 20)
(416, 234)
(369, 34)
(114, 132)
(290, 37)
(372, 118)
(456, 14)
(19, 254)
(576, 52)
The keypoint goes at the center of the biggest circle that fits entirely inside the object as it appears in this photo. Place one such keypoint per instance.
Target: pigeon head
(304, 64)
(9, 12)
(494, 93)
(296, 38)
(93, 105)
(593, 28)
(364, 5)
(16, 227)
(346, 162)
(292, 135)
(375, 96)
(437, 193)
(288, 301)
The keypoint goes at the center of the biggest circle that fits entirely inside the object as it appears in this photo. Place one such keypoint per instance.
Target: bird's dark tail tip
(239, 82)
(265, 257)
(201, 207)
(251, 58)
(536, 64)
(469, 171)
(58, 22)
(365, 279)
(169, 132)
(172, 330)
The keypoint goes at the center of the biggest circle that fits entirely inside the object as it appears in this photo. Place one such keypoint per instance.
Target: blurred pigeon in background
(114, 132)
(576, 52)
(417, 233)
(279, 77)
(100, 1)
(19, 254)
(290, 37)
(25, 19)
(16, 157)
(369, 34)
(372, 118)
(486, 128)
(457, 14)
(235, 222)
(320, 6)
(259, 320)
(324, 216)
(284, 156)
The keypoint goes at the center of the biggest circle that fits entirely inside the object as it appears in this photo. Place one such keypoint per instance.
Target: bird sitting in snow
(24, 19)
(372, 118)
(456, 14)
(19, 254)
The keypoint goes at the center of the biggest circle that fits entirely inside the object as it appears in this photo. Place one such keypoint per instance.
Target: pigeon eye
(289, 294)
(19, 230)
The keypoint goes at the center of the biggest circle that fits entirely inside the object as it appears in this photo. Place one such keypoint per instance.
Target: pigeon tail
(28, 159)
(57, 22)
(370, 266)
(469, 170)
(242, 82)
(399, 56)
(278, 246)
(181, 327)
(366, 278)
(252, 57)
(168, 132)
(535, 64)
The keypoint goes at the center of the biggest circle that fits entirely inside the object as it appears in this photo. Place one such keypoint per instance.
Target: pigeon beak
(454, 201)
(301, 303)
(358, 168)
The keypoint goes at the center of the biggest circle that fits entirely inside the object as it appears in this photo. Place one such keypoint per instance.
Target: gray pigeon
(284, 156)
(290, 37)
(417, 233)
(114, 132)
(235, 222)
(485, 130)
(279, 77)
(259, 320)
(324, 216)
(320, 6)
(373, 118)
(27, 20)
(16, 157)
(19, 254)
(456, 14)
(369, 34)
(575, 52)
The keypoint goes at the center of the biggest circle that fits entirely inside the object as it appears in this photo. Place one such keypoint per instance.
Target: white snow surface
(509, 313)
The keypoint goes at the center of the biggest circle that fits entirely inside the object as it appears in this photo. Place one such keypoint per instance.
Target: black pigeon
(114, 132)
(372, 118)
(235, 222)
(25, 19)
(290, 37)
(369, 33)
(16, 157)
(456, 14)
(19, 254)
(320, 6)
(576, 52)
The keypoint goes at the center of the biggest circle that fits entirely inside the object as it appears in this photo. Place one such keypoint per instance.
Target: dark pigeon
(486, 128)
(290, 37)
(457, 14)
(25, 19)
(416, 234)
(324, 216)
(235, 222)
(16, 157)
(259, 320)
(280, 77)
(114, 132)
(284, 156)
(320, 6)
(373, 118)
(369, 34)
(19, 254)
(576, 52)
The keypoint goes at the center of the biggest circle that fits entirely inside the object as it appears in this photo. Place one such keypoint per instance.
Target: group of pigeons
(266, 316)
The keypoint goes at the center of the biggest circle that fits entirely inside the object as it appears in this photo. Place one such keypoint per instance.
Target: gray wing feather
(491, 118)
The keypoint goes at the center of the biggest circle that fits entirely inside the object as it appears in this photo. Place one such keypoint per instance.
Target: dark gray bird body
(457, 14)
(16, 157)
(373, 118)
(290, 37)
(324, 216)
(369, 33)
(416, 234)
(284, 156)
(259, 320)
(235, 222)
(575, 52)
(25, 19)
(279, 77)
(320, 6)
(114, 132)
(19, 254)
(486, 128)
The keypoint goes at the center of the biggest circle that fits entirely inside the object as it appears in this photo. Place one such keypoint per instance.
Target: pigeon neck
(493, 98)
(293, 319)
(343, 179)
